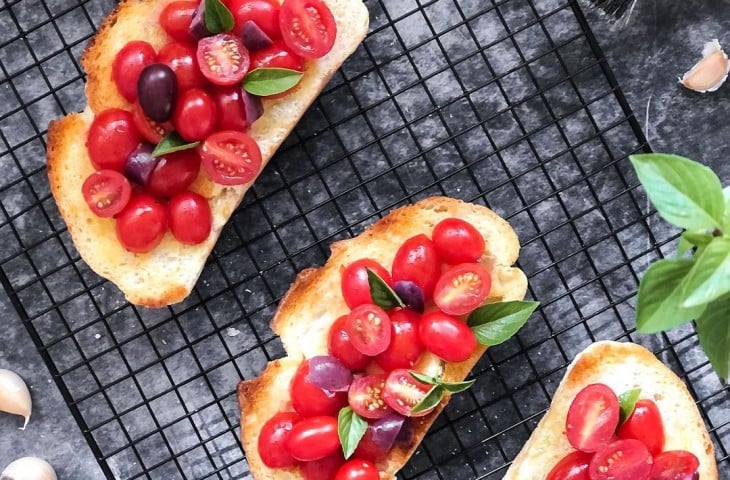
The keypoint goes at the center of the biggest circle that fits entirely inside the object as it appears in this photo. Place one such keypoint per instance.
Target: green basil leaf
(457, 387)
(659, 304)
(425, 378)
(270, 81)
(495, 323)
(217, 17)
(709, 278)
(685, 193)
(172, 142)
(713, 329)
(627, 402)
(432, 398)
(383, 295)
(351, 428)
(726, 220)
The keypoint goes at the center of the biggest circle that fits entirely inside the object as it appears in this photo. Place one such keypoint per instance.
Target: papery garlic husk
(29, 468)
(14, 395)
(709, 73)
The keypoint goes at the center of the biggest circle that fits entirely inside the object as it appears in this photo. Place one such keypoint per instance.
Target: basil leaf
(457, 387)
(691, 239)
(351, 428)
(659, 305)
(172, 142)
(627, 402)
(383, 295)
(726, 219)
(709, 278)
(425, 378)
(713, 329)
(270, 81)
(495, 323)
(685, 193)
(432, 398)
(217, 17)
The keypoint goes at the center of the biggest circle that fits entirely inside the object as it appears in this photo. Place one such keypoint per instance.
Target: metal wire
(510, 103)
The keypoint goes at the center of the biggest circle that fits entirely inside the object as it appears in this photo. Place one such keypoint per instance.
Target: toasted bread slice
(621, 366)
(168, 273)
(314, 302)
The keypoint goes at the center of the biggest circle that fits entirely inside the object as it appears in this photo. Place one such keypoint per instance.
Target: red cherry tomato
(112, 137)
(128, 64)
(195, 115)
(447, 337)
(308, 27)
(230, 110)
(417, 261)
(367, 449)
(173, 173)
(458, 241)
(190, 218)
(309, 400)
(403, 392)
(574, 466)
(369, 329)
(366, 396)
(277, 55)
(355, 285)
(340, 346)
(645, 424)
(223, 59)
(313, 438)
(182, 59)
(273, 438)
(592, 418)
(142, 224)
(231, 158)
(358, 470)
(324, 469)
(175, 20)
(405, 344)
(674, 465)
(462, 289)
(264, 13)
(106, 192)
(621, 460)
(148, 128)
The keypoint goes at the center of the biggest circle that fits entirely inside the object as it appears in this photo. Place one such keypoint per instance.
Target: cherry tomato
(462, 289)
(173, 173)
(574, 466)
(621, 460)
(458, 241)
(403, 392)
(367, 449)
(358, 470)
(273, 438)
(355, 285)
(309, 400)
(112, 137)
(324, 469)
(230, 110)
(592, 418)
(148, 128)
(645, 424)
(231, 158)
(313, 438)
(366, 396)
(223, 59)
(405, 344)
(195, 115)
(182, 59)
(142, 224)
(674, 465)
(277, 55)
(264, 13)
(128, 64)
(308, 27)
(341, 347)
(417, 261)
(106, 192)
(369, 329)
(447, 337)
(175, 20)
(190, 218)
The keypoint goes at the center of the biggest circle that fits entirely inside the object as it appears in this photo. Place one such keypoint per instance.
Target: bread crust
(303, 319)
(168, 273)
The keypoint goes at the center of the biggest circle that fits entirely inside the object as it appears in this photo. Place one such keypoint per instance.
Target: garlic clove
(14, 395)
(29, 468)
(709, 73)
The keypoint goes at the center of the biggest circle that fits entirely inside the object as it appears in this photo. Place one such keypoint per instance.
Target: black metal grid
(508, 102)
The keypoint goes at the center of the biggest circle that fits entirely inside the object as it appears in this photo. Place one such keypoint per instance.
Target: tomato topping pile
(188, 110)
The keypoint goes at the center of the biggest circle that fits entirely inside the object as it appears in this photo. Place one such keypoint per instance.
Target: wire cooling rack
(505, 102)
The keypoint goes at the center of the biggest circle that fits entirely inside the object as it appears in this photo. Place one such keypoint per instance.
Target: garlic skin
(709, 73)
(29, 468)
(14, 395)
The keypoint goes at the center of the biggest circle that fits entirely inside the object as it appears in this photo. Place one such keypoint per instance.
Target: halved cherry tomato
(111, 138)
(574, 466)
(340, 346)
(173, 173)
(142, 224)
(592, 418)
(190, 218)
(175, 20)
(458, 241)
(403, 392)
(358, 470)
(417, 261)
(309, 400)
(182, 59)
(645, 424)
(675, 465)
(148, 128)
(230, 109)
(273, 438)
(462, 289)
(323, 469)
(355, 285)
(195, 115)
(621, 460)
(264, 13)
(223, 59)
(277, 55)
(313, 438)
(106, 192)
(231, 158)
(449, 338)
(369, 328)
(128, 64)
(308, 27)
(405, 344)
(366, 396)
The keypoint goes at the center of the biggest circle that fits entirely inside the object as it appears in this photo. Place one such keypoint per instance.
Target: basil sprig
(439, 388)
(265, 82)
(217, 17)
(383, 295)
(172, 142)
(495, 323)
(627, 403)
(350, 428)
